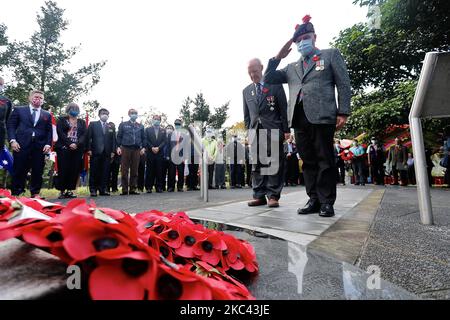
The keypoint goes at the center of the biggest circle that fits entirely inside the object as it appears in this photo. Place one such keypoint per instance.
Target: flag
(6, 160)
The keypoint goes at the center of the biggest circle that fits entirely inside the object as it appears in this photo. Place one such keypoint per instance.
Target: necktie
(258, 91)
(34, 116)
(104, 127)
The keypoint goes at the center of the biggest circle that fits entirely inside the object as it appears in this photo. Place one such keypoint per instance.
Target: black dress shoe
(312, 206)
(103, 194)
(159, 191)
(124, 193)
(93, 194)
(326, 211)
(134, 192)
(180, 190)
(170, 190)
(149, 191)
(70, 195)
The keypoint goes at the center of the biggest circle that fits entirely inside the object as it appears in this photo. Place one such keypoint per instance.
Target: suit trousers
(248, 173)
(235, 174)
(69, 168)
(129, 168)
(193, 176)
(172, 173)
(100, 166)
(315, 146)
(141, 172)
(30, 158)
(114, 173)
(340, 171)
(210, 174)
(292, 171)
(154, 172)
(220, 175)
(263, 184)
(377, 171)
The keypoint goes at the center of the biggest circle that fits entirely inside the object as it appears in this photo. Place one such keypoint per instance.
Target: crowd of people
(144, 156)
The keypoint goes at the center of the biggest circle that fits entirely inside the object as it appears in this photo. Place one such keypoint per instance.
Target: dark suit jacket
(5, 111)
(151, 141)
(97, 142)
(270, 112)
(20, 127)
(63, 127)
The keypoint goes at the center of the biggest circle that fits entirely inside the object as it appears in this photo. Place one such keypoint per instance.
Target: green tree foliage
(198, 110)
(220, 115)
(393, 53)
(41, 63)
(388, 61)
(201, 111)
(185, 112)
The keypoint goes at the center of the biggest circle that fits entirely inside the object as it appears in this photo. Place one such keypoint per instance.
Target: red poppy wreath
(151, 255)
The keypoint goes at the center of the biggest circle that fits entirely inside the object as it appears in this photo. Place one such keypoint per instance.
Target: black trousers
(192, 181)
(172, 173)
(100, 166)
(69, 168)
(248, 173)
(154, 172)
(31, 158)
(114, 175)
(377, 171)
(210, 174)
(315, 145)
(235, 174)
(141, 172)
(403, 176)
(165, 173)
(340, 170)
(292, 171)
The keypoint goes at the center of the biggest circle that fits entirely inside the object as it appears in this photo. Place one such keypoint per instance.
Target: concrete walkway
(284, 222)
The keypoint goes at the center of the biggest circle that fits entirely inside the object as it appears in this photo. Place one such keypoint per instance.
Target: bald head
(255, 69)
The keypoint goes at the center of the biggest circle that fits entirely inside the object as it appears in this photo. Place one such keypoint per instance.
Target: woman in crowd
(69, 149)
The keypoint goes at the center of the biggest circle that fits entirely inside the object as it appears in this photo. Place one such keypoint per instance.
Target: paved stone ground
(409, 254)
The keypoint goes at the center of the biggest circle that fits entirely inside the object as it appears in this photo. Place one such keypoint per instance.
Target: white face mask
(104, 117)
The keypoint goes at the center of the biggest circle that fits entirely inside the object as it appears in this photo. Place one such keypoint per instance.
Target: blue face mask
(73, 113)
(305, 47)
(133, 117)
(156, 123)
(178, 126)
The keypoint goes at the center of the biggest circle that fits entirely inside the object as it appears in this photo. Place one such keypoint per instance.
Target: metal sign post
(198, 147)
(432, 100)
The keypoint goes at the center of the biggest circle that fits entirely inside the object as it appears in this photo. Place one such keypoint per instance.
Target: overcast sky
(160, 52)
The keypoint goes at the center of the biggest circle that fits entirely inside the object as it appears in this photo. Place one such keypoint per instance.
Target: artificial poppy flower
(86, 236)
(189, 235)
(127, 278)
(210, 248)
(179, 283)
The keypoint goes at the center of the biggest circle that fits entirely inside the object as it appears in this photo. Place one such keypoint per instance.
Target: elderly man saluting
(313, 112)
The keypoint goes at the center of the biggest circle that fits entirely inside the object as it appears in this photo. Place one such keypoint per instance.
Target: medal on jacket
(271, 102)
(320, 65)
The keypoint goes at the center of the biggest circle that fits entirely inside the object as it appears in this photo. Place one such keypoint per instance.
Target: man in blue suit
(30, 136)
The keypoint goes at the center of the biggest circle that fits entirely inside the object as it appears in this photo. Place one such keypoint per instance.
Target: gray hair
(72, 106)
